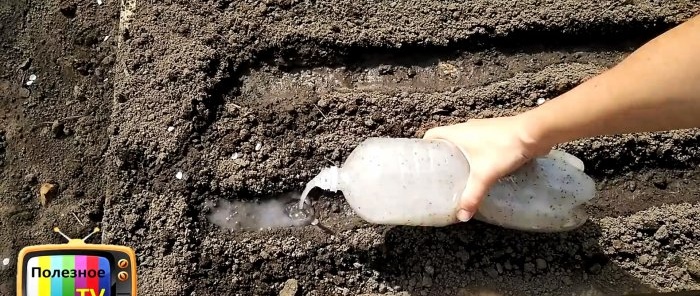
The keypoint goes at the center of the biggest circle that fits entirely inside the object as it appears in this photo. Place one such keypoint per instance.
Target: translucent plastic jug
(418, 182)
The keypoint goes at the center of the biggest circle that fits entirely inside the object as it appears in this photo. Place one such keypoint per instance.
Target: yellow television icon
(76, 268)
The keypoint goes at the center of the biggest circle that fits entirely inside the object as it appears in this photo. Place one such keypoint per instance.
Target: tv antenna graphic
(72, 241)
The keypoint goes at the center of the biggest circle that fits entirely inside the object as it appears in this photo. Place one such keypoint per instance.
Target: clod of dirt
(30, 178)
(385, 70)
(661, 182)
(661, 233)
(24, 93)
(693, 267)
(79, 92)
(291, 287)
(47, 193)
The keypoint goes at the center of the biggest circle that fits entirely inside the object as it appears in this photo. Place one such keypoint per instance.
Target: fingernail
(464, 215)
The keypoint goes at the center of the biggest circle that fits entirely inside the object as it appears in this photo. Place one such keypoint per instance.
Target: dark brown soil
(292, 86)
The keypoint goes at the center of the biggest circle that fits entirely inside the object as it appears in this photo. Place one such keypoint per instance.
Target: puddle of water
(279, 212)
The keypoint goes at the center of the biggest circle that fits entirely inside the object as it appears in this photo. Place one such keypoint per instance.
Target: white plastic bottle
(418, 182)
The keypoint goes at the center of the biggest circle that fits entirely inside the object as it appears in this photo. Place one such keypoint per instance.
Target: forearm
(656, 88)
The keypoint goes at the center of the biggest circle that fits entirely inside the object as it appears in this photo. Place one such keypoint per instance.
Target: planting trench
(261, 95)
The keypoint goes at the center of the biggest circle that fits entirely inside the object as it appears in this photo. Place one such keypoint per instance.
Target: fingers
(474, 193)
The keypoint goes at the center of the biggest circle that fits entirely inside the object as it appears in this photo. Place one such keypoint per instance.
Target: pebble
(178, 175)
(492, 272)
(693, 267)
(540, 101)
(24, 93)
(429, 270)
(644, 259)
(322, 103)
(290, 288)
(47, 192)
(541, 263)
(661, 233)
(30, 178)
(171, 128)
(677, 273)
(427, 281)
(529, 267)
(617, 244)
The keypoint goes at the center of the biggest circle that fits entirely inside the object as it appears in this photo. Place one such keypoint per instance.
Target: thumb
(474, 193)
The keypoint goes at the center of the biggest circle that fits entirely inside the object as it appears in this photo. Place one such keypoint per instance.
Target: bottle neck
(328, 179)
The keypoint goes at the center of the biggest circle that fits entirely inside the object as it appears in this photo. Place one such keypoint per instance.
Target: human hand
(494, 147)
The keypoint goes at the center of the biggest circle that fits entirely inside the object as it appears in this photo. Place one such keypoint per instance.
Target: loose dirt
(250, 99)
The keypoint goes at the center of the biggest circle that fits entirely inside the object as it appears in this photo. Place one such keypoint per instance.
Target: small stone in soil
(644, 259)
(47, 192)
(492, 272)
(693, 267)
(290, 288)
(661, 233)
(529, 267)
(541, 263)
(30, 178)
(24, 93)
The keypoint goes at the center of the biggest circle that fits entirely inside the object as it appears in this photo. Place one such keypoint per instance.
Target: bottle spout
(327, 179)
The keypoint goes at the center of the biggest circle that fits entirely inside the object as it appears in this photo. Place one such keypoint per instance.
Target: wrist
(533, 134)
